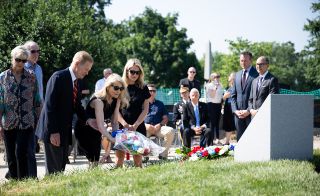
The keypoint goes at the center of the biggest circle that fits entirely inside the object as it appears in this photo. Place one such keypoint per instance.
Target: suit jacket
(58, 109)
(239, 96)
(189, 117)
(269, 86)
(186, 83)
(176, 113)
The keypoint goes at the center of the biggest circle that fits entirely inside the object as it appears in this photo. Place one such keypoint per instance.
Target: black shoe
(68, 161)
(145, 159)
(37, 148)
(162, 157)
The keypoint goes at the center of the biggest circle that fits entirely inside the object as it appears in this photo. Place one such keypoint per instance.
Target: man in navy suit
(240, 93)
(195, 120)
(262, 86)
(63, 99)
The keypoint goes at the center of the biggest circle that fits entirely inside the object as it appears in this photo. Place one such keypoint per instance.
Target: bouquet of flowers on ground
(210, 152)
(135, 143)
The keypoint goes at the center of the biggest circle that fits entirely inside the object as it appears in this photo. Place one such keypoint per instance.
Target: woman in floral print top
(19, 112)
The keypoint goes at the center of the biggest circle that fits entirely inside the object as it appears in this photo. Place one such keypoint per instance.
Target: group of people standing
(127, 102)
(247, 89)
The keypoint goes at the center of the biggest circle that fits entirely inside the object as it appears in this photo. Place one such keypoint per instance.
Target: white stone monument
(282, 129)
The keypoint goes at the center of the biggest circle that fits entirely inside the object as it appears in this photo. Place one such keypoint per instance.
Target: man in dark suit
(178, 108)
(195, 120)
(63, 99)
(240, 93)
(190, 81)
(262, 86)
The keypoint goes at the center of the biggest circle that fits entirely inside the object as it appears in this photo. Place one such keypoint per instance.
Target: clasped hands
(242, 113)
(198, 130)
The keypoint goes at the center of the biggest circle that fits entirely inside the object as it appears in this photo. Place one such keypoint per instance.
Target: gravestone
(282, 129)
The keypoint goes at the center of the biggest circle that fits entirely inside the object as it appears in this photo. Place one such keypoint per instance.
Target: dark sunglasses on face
(116, 88)
(132, 72)
(216, 77)
(152, 91)
(35, 51)
(20, 60)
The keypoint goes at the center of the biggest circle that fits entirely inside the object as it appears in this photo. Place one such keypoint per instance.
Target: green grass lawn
(216, 177)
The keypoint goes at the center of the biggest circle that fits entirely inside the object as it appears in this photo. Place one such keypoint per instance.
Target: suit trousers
(205, 139)
(241, 125)
(16, 143)
(214, 116)
(56, 157)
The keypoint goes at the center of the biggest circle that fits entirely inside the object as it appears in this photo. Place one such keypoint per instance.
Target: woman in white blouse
(214, 93)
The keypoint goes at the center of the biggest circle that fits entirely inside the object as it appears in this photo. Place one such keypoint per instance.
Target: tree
(61, 28)
(161, 47)
(310, 57)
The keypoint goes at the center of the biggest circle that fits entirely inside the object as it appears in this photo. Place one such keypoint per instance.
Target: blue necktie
(196, 111)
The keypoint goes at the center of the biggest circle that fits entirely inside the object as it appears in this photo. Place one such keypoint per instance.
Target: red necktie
(75, 91)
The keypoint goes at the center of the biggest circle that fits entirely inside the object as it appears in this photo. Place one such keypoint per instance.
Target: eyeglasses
(132, 72)
(20, 60)
(152, 91)
(216, 77)
(116, 88)
(192, 72)
(35, 51)
(261, 64)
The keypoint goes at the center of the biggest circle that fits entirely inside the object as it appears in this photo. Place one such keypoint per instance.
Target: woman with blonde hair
(133, 116)
(103, 105)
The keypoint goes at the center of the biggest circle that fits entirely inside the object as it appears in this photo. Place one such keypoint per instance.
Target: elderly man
(99, 84)
(190, 81)
(63, 99)
(156, 121)
(34, 67)
(262, 86)
(195, 121)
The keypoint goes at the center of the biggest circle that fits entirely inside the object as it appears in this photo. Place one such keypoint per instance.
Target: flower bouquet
(210, 152)
(135, 143)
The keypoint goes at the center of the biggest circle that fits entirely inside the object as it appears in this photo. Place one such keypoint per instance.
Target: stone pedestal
(282, 129)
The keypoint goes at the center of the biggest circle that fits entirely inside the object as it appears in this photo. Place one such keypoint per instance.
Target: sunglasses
(216, 77)
(132, 72)
(35, 51)
(192, 72)
(152, 91)
(116, 88)
(20, 60)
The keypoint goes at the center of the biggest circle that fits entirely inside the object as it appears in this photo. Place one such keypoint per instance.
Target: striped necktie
(75, 91)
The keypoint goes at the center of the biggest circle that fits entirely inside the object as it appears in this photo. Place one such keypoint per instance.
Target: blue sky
(216, 21)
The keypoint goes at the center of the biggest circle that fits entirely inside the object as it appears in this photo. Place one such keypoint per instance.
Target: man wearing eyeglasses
(262, 86)
(156, 121)
(34, 67)
(190, 81)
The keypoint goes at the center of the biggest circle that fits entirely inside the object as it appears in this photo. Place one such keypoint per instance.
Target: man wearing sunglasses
(190, 81)
(156, 121)
(262, 86)
(34, 67)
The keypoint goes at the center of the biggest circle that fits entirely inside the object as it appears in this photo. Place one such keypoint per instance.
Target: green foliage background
(62, 28)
